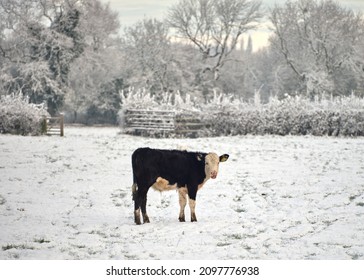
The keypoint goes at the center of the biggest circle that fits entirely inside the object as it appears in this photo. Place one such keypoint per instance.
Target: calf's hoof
(137, 217)
(181, 219)
(146, 219)
(137, 221)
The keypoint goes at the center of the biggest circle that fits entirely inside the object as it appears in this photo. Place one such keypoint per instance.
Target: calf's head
(212, 161)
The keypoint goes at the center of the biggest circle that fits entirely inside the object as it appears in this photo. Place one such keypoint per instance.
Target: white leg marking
(192, 204)
(182, 192)
(137, 216)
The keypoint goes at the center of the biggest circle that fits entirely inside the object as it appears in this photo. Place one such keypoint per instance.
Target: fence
(54, 125)
(188, 124)
(161, 123)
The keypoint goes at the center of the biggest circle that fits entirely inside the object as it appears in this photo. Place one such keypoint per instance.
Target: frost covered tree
(95, 76)
(38, 44)
(249, 47)
(60, 51)
(214, 27)
(320, 43)
(148, 55)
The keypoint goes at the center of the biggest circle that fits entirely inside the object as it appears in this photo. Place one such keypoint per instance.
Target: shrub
(294, 115)
(228, 115)
(18, 116)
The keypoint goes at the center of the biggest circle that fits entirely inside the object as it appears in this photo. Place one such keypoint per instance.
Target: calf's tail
(134, 161)
(134, 189)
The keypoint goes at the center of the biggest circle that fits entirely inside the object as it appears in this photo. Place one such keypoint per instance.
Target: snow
(275, 198)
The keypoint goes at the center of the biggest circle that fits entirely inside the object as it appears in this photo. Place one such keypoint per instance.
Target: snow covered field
(275, 198)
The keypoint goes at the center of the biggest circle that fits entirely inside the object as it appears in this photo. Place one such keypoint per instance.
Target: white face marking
(212, 161)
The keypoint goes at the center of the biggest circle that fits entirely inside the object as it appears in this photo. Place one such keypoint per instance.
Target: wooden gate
(54, 125)
(188, 124)
(161, 123)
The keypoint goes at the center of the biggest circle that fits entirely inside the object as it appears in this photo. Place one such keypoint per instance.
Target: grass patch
(236, 236)
(2, 200)
(223, 244)
(41, 240)
(17, 246)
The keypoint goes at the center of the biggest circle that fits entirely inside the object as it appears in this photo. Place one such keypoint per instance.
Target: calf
(168, 170)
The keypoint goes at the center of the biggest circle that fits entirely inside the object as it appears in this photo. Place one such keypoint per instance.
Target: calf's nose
(213, 174)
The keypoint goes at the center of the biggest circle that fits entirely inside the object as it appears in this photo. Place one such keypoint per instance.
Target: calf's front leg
(182, 193)
(192, 192)
(192, 204)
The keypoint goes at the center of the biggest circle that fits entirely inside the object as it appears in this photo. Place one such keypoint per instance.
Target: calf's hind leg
(140, 203)
(137, 204)
(144, 209)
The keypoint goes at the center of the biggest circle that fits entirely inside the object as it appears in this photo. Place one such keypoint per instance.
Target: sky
(131, 11)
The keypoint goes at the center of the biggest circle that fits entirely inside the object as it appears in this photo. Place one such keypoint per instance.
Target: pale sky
(131, 11)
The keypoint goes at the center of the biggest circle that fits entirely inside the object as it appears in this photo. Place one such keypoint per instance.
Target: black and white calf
(168, 170)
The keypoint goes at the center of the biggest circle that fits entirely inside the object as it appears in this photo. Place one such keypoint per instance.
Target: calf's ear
(200, 157)
(224, 157)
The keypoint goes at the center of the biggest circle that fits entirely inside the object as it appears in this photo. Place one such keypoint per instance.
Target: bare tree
(214, 26)
(148, 54)
(95, 76)
(320, 42)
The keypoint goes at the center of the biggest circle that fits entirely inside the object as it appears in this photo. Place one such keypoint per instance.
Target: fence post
(61, 124)
(44, 125)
